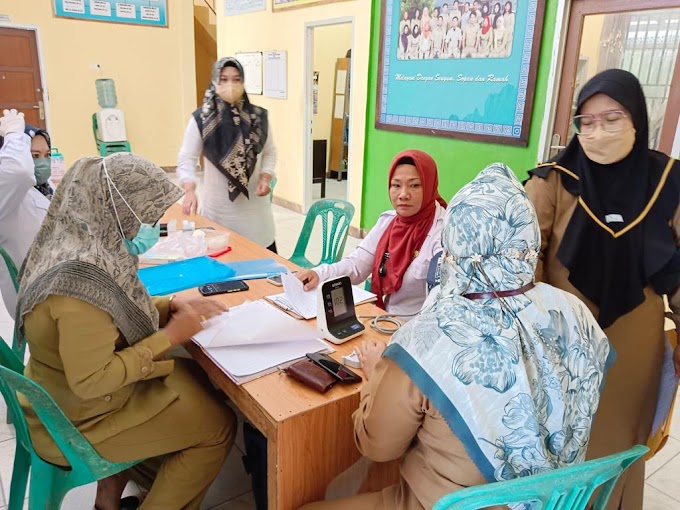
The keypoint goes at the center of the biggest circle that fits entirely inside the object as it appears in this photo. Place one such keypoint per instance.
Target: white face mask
(606, 148)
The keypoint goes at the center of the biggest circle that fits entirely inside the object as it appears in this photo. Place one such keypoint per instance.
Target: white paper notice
(339, 107)
(275, 74)
(125, 11)
(340, 81)
(100, 8)
(75, 6)
(252, 68)
(150, 13)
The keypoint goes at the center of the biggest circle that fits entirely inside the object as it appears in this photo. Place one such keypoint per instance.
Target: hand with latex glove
(11, 122)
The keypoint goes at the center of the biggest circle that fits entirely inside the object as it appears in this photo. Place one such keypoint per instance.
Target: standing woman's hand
(263, 187)
(190, 202)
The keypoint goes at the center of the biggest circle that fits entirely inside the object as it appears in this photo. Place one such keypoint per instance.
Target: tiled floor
(231, 490)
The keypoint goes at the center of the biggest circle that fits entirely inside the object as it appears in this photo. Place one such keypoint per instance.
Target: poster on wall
(458, 69)
(136, 12)
(285, 5)
(236, 7)
(252, 70)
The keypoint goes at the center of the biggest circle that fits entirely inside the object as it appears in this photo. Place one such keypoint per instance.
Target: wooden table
(310, 436)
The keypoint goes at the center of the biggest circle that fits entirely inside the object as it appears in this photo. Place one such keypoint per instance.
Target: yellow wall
(153, 69)
(265, 30)
(205, 37)
(330, 43)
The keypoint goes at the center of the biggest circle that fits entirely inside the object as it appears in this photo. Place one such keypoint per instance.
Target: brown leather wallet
(311, 375)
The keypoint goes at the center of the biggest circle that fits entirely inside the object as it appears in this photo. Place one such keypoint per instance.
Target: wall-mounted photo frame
(459, 69)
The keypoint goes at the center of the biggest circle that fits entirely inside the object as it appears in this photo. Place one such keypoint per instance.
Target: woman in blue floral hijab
(497, 377)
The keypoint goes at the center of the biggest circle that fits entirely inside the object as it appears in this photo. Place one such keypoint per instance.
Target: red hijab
(404, 236)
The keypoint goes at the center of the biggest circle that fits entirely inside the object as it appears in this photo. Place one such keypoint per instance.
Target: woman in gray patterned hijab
(78, 250)
(98, 341)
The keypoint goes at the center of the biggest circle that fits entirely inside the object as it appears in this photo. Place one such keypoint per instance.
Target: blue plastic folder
(185, 274)
(254, 269)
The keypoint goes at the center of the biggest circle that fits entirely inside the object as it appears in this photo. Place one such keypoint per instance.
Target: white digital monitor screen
(339, 303)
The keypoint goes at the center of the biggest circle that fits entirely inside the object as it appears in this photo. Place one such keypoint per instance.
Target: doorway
(20, 77)
(205, 44)
(327, 103)
(642, 39)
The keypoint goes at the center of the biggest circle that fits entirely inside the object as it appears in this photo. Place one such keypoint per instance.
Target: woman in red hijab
(396, 253)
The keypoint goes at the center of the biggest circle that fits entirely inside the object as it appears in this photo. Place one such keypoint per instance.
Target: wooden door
(20, 84)
(640, 37)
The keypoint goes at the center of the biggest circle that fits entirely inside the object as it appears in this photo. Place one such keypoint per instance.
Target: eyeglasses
(610, 121)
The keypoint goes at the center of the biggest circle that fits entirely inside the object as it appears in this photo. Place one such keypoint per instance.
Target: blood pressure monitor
(336, 318)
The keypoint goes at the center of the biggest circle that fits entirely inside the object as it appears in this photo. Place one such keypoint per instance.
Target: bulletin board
(136, 12)
(236, 7)
(252, 69)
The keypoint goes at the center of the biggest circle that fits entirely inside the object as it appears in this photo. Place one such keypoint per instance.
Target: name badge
(613, 218)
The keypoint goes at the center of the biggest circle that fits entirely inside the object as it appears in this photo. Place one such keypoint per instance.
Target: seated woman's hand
(184, 323)
(369, 353)
(205, 307)
(309, 278)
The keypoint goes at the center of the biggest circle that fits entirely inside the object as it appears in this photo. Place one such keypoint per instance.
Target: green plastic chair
(11, 267)
(567, 488)
(49, 483)
(338, 213)
(106, 148)
(272, 185)
(18, 347)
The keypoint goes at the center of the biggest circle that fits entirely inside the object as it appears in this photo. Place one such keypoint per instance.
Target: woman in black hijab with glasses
(608, 210)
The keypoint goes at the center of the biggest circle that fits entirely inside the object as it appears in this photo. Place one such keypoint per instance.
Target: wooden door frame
(41, 66)
(582, 8)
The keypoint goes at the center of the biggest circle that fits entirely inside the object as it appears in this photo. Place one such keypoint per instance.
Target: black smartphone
(223, 287)
(337, 369)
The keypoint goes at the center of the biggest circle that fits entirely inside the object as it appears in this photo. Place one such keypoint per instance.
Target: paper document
(668, 387)
(253, 323)
(303, 303)
(255, 338)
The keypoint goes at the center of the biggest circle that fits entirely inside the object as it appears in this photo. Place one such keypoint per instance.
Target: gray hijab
(78, 251)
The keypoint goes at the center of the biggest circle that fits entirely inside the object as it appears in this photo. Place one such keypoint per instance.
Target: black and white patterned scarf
(233, 135)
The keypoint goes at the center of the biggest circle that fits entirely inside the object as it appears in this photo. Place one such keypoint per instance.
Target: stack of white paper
(254, 338)
(294, 298)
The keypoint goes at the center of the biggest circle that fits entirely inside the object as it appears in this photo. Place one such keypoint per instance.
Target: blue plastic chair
(567, 488)
(336, 216)
(49, 483)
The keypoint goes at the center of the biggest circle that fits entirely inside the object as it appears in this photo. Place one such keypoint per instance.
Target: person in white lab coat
(240, 156)
(24, 192)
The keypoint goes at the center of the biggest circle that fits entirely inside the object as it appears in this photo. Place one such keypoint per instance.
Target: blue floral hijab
(517, 379)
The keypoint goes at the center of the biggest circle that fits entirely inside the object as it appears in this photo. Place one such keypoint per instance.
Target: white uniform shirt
(359, 265)
(22, 208)
(252, 218)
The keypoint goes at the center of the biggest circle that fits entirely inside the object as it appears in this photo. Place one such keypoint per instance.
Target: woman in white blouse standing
(397, 251)
(239, 158)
